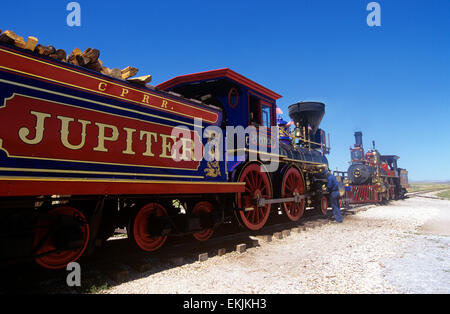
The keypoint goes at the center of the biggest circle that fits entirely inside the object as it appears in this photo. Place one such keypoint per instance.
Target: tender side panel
(64, 131)
(39, 68)
(47, 186)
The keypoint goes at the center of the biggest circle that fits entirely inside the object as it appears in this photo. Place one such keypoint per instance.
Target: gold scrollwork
(213, 169)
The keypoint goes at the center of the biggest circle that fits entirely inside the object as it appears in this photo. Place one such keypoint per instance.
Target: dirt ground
(399, 248)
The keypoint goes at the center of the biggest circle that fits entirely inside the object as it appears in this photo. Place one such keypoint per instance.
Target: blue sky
(390, 82)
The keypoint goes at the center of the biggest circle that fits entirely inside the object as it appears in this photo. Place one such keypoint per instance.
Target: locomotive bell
(307, 114)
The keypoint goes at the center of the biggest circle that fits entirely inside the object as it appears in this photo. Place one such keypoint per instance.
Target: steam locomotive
(83, 153)
(372, 177)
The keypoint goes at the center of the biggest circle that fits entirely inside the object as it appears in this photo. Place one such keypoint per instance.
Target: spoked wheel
(388, 192)
(393, 192)
(322, 205)
(139, 230)
(64, 240)
(257, 186)
(293, 184)
(203, 208)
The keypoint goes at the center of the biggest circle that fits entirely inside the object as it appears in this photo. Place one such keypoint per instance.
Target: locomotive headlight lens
(298, 132)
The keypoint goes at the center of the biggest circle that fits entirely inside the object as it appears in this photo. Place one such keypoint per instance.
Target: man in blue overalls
(333, 189)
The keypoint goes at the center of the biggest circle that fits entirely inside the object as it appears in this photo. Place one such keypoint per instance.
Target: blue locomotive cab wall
(243, 101)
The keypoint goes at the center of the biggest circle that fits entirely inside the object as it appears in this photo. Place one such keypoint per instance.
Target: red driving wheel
(257, 186)
(293, 184)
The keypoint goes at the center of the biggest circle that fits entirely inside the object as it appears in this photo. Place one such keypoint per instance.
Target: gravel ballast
(380, 250)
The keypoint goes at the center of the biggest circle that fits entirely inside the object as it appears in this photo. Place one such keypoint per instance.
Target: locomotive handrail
(304, 161)
(297, 199)
(282, 157)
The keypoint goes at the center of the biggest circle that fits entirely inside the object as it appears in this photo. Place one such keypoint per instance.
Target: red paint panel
(58, 74)
(29, 188)
(217, 74)
(124, 141)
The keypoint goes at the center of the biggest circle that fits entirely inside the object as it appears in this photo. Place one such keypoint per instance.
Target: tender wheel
(293, 184)
(203, 208)
(68, 237)
(257, 186)
(138, 230)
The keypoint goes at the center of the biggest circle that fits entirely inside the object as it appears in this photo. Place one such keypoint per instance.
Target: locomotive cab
(243, 101)
(390, 164)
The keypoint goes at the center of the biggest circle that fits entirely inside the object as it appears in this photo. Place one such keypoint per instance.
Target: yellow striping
(96, 78)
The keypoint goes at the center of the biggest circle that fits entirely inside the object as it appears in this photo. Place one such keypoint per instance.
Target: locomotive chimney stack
(307, 115)
(358, 139)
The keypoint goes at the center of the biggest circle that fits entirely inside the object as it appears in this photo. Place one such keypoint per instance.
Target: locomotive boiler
(306, 143)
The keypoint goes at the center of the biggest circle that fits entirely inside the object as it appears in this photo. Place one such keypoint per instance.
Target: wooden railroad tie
(203, 257)
(286, 233)
(241, 248)
(265, 237)
(278, 235)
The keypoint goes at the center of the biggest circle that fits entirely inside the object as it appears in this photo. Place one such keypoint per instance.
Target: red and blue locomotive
(82, 153)
(372, 177)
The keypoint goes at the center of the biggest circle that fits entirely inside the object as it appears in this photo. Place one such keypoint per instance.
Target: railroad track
(419, 193)
(115, 262)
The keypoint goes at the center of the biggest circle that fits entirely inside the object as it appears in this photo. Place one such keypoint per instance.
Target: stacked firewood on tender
(88, 59)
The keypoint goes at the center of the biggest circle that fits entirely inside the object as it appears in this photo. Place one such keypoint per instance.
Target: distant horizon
(430, 181)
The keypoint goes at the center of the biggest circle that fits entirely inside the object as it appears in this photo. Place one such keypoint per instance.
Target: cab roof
(219, 74)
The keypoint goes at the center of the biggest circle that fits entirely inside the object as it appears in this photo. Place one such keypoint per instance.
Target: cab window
(254, 110)
(266, 121)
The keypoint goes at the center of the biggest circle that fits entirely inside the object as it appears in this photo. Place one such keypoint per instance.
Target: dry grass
(416, 187)
(445, 194)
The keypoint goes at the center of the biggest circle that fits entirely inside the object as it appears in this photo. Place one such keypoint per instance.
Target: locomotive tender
(82, 153)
